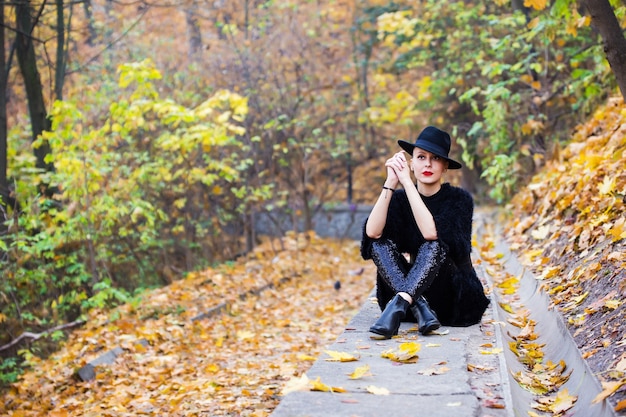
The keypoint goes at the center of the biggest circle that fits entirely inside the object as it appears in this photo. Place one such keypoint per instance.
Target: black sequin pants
(399, 274)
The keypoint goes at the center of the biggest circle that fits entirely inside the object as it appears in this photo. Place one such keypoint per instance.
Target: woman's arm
(422, 215)
(378, 217)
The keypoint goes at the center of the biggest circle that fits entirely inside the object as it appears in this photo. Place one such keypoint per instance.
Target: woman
(432, 223)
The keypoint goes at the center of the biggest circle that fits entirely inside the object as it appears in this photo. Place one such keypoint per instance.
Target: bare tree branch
(35, 336)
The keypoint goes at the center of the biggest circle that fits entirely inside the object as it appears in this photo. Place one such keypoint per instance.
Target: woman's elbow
(431, 236)
(373, 235)
(373, 232)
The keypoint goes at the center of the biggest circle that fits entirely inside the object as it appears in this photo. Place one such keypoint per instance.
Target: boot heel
(389, 322)
(427, 320)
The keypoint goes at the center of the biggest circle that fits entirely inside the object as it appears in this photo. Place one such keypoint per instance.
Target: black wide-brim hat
(435, 141)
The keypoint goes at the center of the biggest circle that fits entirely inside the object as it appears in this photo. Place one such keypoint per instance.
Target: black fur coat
(456, 295)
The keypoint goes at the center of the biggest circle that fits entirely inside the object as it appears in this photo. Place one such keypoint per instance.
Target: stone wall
(339, 221)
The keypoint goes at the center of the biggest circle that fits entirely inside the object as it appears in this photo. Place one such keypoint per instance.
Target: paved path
(460, 372)
(438, 384)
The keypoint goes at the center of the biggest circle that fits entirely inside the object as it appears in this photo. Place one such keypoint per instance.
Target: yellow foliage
(535, 4)
(572, 28)
(244, 353)
(569, 222)
(558, 404)
(424, 86)
(406, 352)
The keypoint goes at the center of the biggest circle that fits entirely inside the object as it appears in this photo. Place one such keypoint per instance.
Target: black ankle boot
(389, 322)
(427, 320)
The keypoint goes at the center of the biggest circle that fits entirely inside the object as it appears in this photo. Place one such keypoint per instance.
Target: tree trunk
(246, 21)
(59, 73)
(349, 189)
(32, 81)
(193, 29)
(91, 26)
(604, 20)
(4, 185)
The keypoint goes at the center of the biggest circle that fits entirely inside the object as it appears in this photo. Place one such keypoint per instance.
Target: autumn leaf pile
(233, 363)
(569, 227)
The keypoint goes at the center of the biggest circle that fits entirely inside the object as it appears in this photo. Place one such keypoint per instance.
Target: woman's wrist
(386, 189)
(409, 183)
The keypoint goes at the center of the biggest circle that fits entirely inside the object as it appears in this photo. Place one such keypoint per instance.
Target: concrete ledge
(88, 372)
(559, 345)
(413, 388)
(310, 404)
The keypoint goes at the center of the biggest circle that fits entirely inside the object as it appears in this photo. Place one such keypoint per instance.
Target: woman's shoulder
(457, 193)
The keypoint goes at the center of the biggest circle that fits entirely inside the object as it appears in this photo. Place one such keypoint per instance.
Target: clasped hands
(398, 170)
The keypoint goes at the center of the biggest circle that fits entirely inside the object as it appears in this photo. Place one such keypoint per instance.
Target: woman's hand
(398, 170)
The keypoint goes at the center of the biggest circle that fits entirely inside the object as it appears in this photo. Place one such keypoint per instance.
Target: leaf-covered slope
(234, 363)
(569, 226)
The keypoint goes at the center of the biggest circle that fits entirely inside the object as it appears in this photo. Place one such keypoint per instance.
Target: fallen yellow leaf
(434, 371)
(212, 368)
(608, 185)
(563, 402)
(550, 272)
(340, 356)
(580, 298)
(406, 352)
(541, 232)
(377, 390)
(360, 372)
(296, 384)
(318, 385)
(506, 307)
(244, 335)
(493, 351)
(609, 389)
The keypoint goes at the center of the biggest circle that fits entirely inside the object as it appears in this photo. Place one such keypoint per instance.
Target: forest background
(141, 141)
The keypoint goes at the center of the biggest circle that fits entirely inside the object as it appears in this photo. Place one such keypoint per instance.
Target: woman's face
(427, 167)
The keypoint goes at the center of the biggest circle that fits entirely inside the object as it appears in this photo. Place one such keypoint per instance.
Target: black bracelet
(387, 188)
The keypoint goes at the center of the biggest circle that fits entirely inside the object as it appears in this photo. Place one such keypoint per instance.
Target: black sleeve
(366, 243)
